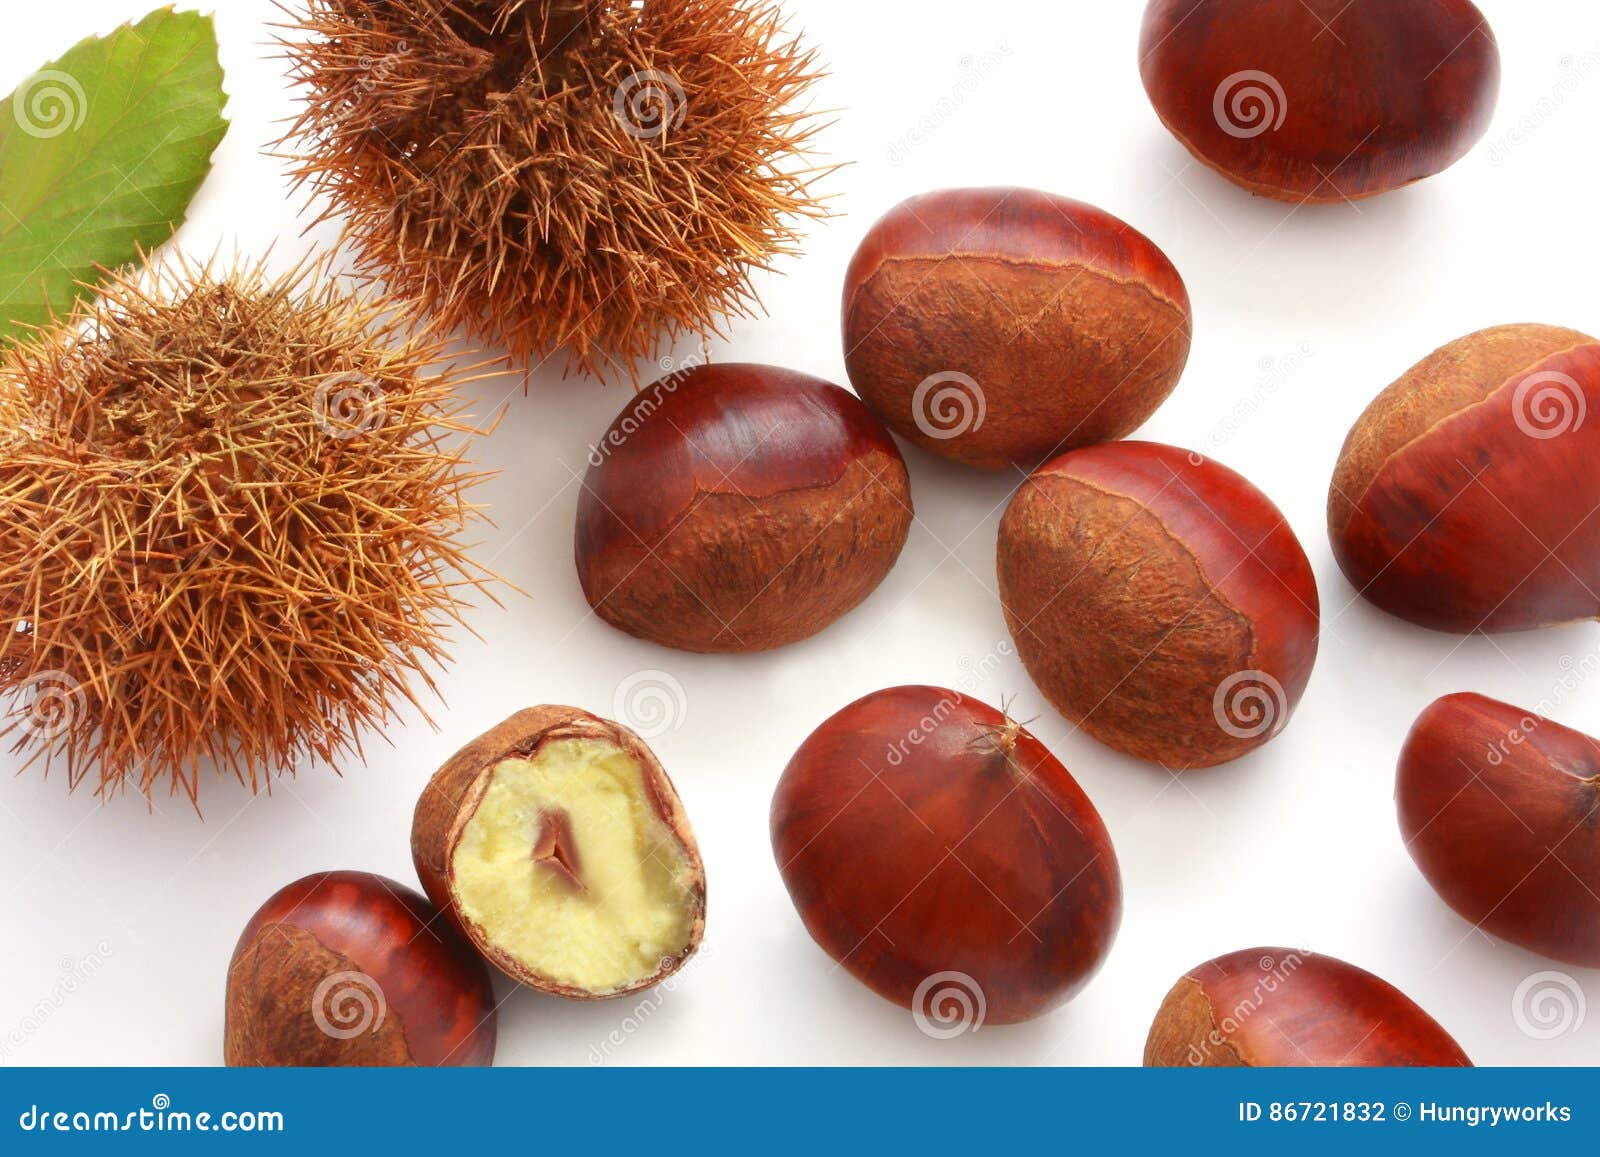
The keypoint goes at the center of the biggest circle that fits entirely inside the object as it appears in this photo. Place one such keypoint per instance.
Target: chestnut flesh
(349, 968)
(1464, 498)
(999, 327)
(559, 847)
(924, 835)
(1278, 1007)
(1321, 100)
(1159, 600)
(739, 508)
(1500, 808)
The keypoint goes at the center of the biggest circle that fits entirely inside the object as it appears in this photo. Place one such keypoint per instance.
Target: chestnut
(1321, 100)
(1159, 600)
(349, 968)
(999, 327)
(946, 858)
(557, 844)
(739, 508)
(1464, 497)
(1500, 808)
(1279, 1007)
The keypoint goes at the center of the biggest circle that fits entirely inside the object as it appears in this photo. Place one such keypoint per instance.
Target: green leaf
(100, 153)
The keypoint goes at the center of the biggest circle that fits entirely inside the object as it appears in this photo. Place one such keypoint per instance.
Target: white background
(1301, 317)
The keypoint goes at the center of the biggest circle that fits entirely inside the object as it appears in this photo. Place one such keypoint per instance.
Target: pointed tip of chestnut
(999, 326)
(1159, 600)
(944, 857)
(1280, 1007)
(735, 508)
(1463, 498)
(1244, 87)
(1500, 809)
(351, 968)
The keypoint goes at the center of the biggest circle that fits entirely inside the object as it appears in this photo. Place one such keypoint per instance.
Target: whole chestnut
(1278, 1007)
(1159, 600)
(349, 968)
(558, 845)
(1500, 808)
(946, 858)
(1321, 100)
(999, 327)
(1464, 497)
(739, 508)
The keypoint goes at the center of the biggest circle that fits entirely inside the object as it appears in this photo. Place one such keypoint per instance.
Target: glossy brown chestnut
(739, 508)
(1464, 499)
(1159, 600)
(558, 845)
(1278, 1007)
(1321, 100)
(999, 327)
(349, 968)
(1500, 808)
(943, 856)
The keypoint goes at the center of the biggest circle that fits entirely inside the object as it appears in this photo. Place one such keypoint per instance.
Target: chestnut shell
(1001, 326)
(922, 833)
(1465, 496)
(350, 968)
(451, 798)
(1281, 1007)
(1159, 600)
(1500, 808)
(1321, 100)
(739, 508)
